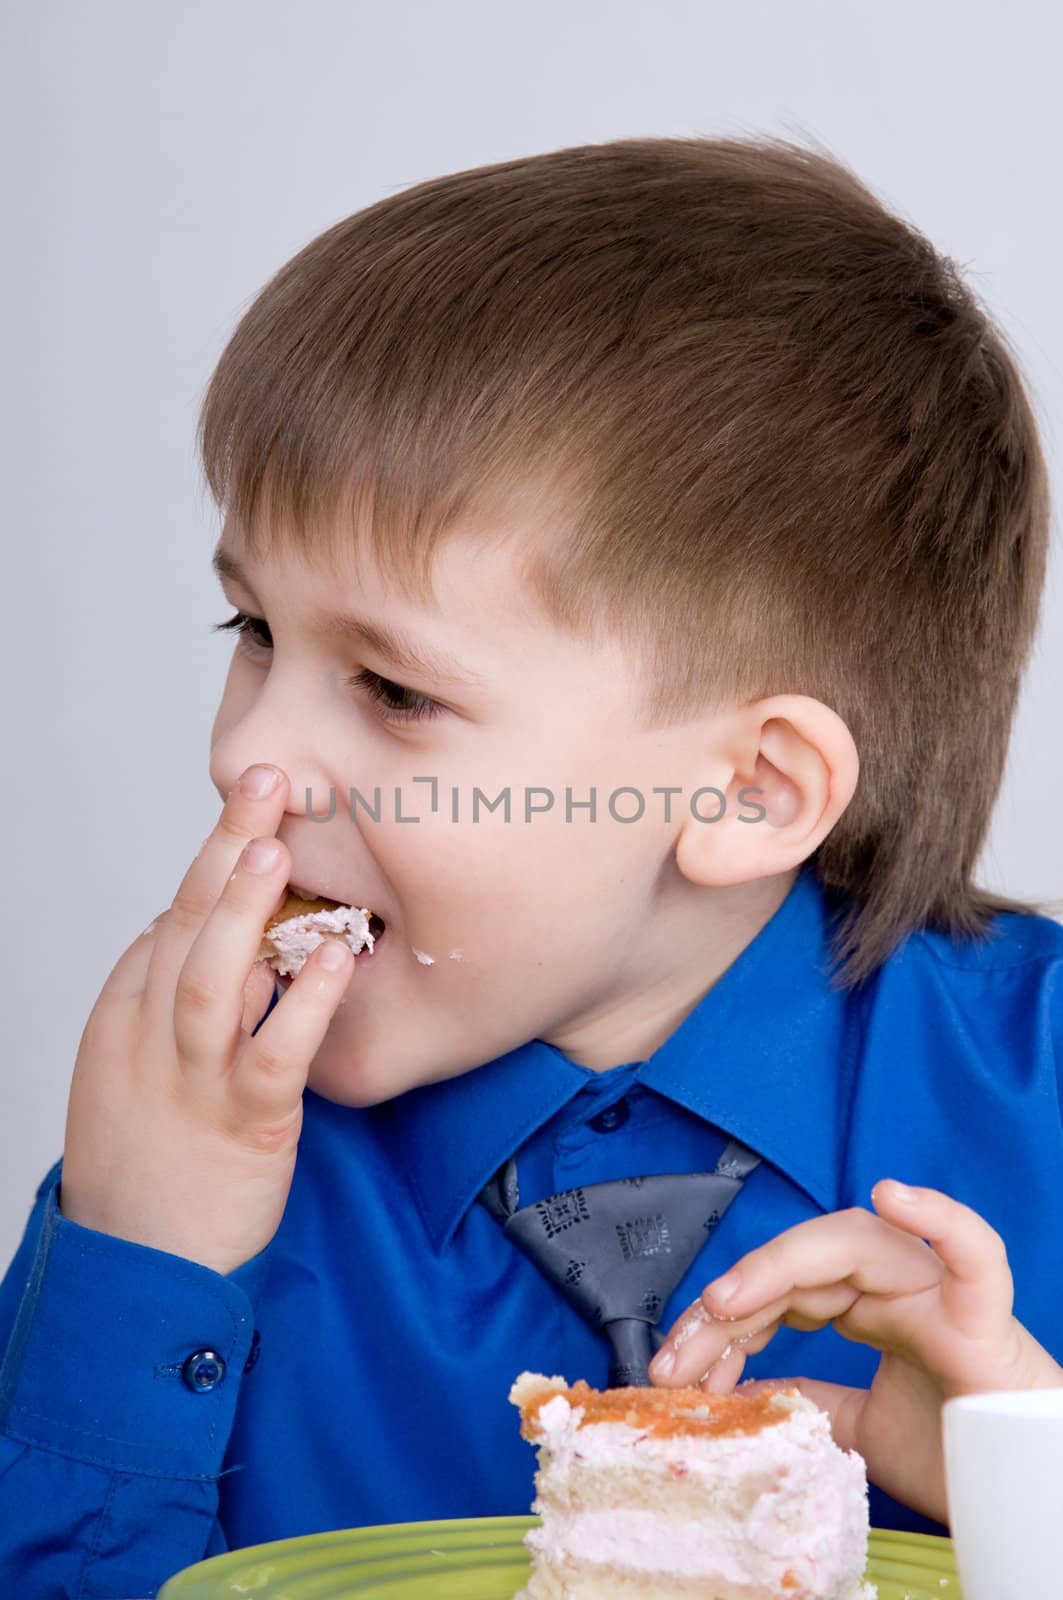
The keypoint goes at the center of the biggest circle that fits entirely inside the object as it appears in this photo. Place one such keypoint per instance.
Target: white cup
(1004, 1480)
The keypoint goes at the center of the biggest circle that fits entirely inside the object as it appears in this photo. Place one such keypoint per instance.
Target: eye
(248, 628)
(413, 705)
(406, 706)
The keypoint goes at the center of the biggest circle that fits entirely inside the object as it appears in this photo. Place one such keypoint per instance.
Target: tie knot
(617, 1250)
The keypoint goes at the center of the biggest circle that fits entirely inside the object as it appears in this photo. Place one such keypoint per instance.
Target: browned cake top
(664, 1413)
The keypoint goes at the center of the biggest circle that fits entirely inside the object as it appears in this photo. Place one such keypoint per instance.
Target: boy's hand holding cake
(942, 1317)
(182, 1128)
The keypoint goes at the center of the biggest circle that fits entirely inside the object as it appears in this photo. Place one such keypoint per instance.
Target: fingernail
(257, 782)
(725, 1288)
(334, 955)
(662, 1363)
(902, 1192)
(260, 855)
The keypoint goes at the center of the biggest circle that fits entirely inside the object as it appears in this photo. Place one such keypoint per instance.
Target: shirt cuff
(127, 1357)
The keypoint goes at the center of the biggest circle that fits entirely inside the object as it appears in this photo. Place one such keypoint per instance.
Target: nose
(260, 733)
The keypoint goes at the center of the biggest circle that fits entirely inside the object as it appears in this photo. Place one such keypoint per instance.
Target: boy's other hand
(941, 1316)
(182, 1129)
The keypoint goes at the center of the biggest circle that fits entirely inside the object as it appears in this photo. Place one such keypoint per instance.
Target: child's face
(584, 934)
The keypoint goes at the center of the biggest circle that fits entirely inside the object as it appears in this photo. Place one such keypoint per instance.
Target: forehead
(476, 605)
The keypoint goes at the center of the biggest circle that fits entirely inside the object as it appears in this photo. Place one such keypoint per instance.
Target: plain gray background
(162, 161)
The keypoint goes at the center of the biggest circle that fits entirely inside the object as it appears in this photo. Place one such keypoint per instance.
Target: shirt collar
(762, 1056)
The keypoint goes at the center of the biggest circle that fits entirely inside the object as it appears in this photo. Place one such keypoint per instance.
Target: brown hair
(772, 440)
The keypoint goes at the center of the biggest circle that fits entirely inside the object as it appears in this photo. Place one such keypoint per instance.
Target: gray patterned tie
(617, 1250)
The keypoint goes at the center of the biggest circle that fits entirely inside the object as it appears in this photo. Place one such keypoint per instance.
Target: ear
(783, 770)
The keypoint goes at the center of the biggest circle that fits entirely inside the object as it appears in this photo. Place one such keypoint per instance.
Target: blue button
(611, 1118)
(203, 1371)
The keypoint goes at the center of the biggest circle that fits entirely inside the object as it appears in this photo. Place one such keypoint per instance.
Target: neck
(650, 995)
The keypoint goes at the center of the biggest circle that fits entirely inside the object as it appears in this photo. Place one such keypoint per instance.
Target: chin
(346, 1083)
(364, 1072)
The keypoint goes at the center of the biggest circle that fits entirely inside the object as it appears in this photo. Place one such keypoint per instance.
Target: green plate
(475, 1558)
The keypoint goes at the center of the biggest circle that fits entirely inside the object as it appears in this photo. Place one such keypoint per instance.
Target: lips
(314, 894)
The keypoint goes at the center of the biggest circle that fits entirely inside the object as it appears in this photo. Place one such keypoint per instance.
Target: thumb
(842, 1405)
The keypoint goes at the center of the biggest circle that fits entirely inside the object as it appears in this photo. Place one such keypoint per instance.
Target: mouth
(377, 925)
(363, 958)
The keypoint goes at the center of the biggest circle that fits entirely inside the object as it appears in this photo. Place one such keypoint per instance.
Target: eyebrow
(400, 651)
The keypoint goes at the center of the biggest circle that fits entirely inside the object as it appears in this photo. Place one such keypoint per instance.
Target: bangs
(332, 495)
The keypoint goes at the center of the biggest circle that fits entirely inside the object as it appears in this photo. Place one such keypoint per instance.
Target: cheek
(492, 887)
(517, 878)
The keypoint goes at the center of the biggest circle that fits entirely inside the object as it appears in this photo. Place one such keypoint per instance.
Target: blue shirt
(392, 1314)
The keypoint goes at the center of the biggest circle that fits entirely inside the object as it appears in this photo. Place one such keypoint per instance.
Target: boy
(679, 492)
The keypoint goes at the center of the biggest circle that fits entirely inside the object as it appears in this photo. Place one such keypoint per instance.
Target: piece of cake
(301, 924)
(655, 1493)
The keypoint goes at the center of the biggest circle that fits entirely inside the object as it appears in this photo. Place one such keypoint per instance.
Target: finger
(209, 998)
(725, 1373)
(258, 992)
(726, 1370)
(977, 1289)
(272, 1067)
(809, 1309)
(722, 1377)
(851, 1246)
(674, 1362)
(243, 817)
(128, 977)
(754, 1386)
(698, 1340)
(844, 1406)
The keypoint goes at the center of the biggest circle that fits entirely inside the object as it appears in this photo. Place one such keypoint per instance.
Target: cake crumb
(698, 1318)
(425, 960)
